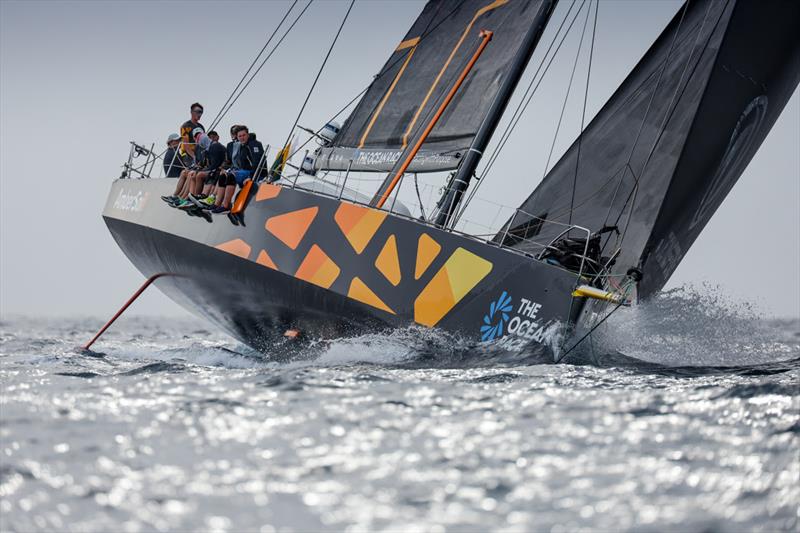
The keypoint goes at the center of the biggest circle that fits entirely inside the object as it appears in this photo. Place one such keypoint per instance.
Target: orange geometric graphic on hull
(358, 224)
(360, 292)
(267, 191)
(236, 247)
(318, 268)
(291, 227)
(427, 250)
(265, 260)
(388, 262)
(460, 274)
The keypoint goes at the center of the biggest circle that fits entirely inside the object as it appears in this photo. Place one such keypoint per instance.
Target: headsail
(665, 150)
(419, 73)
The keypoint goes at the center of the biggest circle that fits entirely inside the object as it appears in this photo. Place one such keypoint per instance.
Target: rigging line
(319, 72)
(610, 178)
(566, 97)
(388, 68)
(389, 88)
(583, 115)
(634, 191)
(374, 79)
(647, 110)
(625, 166)
(670, 109)
(597, 325)
(419, 197)
(215, 122)
(429, 113)
(528, 95)
(274, 48)
(523, 104)
(520, 109)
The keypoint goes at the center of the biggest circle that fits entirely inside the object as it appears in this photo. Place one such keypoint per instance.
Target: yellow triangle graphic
(427, 250)
(360, 292)
(388, 262)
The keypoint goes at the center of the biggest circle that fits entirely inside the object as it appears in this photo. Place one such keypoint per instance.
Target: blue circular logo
(494, 322)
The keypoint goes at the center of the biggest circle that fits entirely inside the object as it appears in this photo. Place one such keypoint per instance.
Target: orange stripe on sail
(478, 13)
(391, 88)
(408, 43)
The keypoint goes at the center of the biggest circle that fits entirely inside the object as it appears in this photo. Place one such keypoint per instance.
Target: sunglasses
(197, 111)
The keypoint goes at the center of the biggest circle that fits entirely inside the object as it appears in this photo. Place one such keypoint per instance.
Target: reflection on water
(175, 426)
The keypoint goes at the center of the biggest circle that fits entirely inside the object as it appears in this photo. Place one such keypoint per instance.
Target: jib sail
(418, 74)
(665, 150)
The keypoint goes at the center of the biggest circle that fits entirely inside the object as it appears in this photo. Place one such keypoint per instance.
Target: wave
(684, 332)
(695, 326)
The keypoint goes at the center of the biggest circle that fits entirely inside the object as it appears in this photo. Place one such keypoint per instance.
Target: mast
(459, 181)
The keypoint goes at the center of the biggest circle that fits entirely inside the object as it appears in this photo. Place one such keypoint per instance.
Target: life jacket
(187, 146)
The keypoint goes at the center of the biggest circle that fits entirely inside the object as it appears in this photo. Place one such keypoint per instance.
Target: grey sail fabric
(665, 150)
(420, 71)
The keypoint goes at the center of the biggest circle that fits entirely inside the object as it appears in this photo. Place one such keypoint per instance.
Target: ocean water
(680, 415)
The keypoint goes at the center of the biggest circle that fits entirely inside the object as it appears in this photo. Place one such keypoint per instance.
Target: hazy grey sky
(78, 80)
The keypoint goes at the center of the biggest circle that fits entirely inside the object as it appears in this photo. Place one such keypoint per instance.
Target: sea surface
(682, 414)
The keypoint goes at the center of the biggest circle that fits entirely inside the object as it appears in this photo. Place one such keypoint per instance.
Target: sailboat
(606, 227)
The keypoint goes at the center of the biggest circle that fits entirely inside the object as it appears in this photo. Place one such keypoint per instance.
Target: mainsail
(420, 72)
(665, 150)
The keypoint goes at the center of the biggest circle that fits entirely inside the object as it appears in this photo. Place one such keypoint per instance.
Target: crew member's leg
(226, 187)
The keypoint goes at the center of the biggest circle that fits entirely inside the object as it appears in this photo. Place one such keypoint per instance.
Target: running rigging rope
(286, 33)
(583, 114)
(218, 117)
(319, 72)
(667, 116)
(588, 333)
(644, 118)
(522, 106)
(566, 96)
(374, 79)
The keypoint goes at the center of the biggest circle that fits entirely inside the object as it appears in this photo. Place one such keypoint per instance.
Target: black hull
(331, 268)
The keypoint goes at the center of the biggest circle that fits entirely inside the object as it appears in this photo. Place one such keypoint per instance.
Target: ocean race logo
(494, 322)
(513, 326)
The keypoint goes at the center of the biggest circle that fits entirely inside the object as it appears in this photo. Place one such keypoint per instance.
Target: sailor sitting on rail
(174, 162)
(204, 181)
(230, 145)
(247, 153)
(187, 150)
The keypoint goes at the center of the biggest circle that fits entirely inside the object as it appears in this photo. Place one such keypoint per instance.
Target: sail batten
(420, 71)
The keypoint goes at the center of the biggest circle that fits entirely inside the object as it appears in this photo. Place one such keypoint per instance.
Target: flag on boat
(276, 171)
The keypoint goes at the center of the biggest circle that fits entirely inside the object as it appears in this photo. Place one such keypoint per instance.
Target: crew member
(173, 162)
(187, 144)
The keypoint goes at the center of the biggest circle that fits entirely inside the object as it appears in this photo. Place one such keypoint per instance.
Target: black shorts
(226, 179)
(211, 178)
